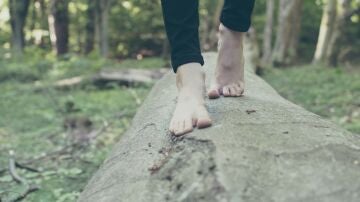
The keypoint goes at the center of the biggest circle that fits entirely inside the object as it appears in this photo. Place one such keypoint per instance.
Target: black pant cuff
(178, 61)
(235, 25)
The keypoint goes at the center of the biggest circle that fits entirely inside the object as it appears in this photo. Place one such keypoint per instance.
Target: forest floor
(53, 130)
(60, 137)
(333, 93)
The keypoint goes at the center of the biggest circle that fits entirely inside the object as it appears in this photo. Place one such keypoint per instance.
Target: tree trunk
(101, 25)
(331, 29)
(212, 38)
(289, 23)
(267, 44)
(334, 48)
(294, 40)
(43, 23)
(326, 30)
(252, 50)
(210, 25)
(59, 25)
(263, 148)
(18, 12)
(90, 27)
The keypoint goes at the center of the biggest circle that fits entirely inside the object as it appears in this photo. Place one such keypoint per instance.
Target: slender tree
(326, 29)
(252, 49)
(289, 21)
(268, 30)
(212, 22)
(102, 25)
(59, 25)
(90, 27)
(18, 12)
(332, 27)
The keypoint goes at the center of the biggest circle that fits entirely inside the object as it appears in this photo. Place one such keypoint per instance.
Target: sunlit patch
(127, 4)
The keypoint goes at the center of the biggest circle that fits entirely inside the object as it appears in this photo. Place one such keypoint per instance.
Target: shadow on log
(260, 148)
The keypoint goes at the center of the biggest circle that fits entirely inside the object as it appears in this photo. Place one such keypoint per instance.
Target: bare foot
(190, 110)
(229, 73)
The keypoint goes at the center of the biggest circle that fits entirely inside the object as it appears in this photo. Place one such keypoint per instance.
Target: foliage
(32, 123)
(136, 27)
(331, 93)
(34, 114)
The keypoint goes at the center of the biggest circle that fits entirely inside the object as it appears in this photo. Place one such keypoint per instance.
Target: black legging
(181, 19)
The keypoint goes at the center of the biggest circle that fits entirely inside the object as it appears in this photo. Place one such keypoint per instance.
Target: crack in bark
(188, 173)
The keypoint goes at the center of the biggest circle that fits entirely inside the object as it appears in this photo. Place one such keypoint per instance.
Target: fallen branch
(23, 166)
(12, 169)
(60, 151)
(124, 77)
(29, 187)
(29, 190)
(3, 170)
(135, 96)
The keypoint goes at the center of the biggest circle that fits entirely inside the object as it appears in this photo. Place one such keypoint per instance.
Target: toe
(194, 122)
(188, 126)
(226, 91)
(213, 94)
(203, 118)
(172, 127)
(233, 91)
(183, 127)
(179, 128)
(241, 86)
(236, 90)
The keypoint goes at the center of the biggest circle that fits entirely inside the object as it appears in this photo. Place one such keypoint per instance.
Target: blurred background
(73, 73)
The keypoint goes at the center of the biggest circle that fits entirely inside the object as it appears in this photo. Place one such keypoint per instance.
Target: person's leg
(181, 22)
(229, 74)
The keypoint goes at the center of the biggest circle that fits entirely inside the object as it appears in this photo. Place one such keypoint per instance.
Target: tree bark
(209, 38)
(326, 30)
(334, 48)
(90, 27)
(252, 51)
(59, 25)
(101, 25)
(294, 40)
(335, 14)
(267, 43)
(289, 23)
(18, 12)
(263, 148)
(43, 23)
(213, 40)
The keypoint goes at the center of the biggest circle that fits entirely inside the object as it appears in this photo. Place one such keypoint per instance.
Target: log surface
(261, 147)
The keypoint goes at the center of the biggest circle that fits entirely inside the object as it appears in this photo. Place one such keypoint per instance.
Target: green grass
(333, 93)
(32, 122)
(32, 119)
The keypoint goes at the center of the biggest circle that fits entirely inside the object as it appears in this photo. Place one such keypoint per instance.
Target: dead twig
(135, 96)
(12, 169)
(30, 189)
(3, 170)
(250, 111)
(58, 152)
(22, 166)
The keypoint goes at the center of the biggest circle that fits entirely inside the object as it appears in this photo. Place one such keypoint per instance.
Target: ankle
(225, 32)
(189, 76)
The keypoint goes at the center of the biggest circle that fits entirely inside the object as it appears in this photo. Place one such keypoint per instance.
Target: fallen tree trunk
(260, 148)
(124, 77)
